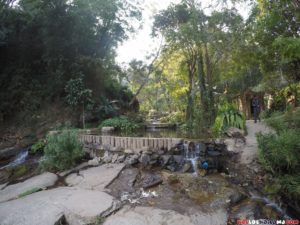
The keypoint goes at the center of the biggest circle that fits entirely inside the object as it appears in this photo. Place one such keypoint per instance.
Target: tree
(45, 44)
(276, 30)
(203, 40)
(77, 94)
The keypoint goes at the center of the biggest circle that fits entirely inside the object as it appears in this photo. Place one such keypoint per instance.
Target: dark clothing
(256, 108)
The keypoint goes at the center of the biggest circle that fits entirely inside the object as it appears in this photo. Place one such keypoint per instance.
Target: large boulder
(148, 216)
(38, 182)
(96, 178)
(235, 132)
(48, 207)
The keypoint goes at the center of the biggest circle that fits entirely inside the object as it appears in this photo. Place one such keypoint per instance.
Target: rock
(116, 205)
(38, 182)
(131, 160)
(202, 172)
(8, 153)
(2, 186)
(219, 141)
(48, 207)
(151, 180)
(187, 167)
(153, 162)
(107, 157)
(107, 129)
(236, 197)
(145, 159)
(96, 178)
(213, 153)
(160, 152)
(165, 159)
(178, 159)
(146, 150)
(114, 158)
(121, 159)
(93, 162)
(148, 216)
(4, 175)
(128, 151)
(231, 146)
(171, 168)
(234, 132)
(77, 168)
(177, 151)
(154, 156)
(245, 210)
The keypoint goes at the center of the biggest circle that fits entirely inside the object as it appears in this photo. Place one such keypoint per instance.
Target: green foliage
(174, 118)
(280, 152)
(228, 116)
(291, 185)
(121, 123)
(38, 147)
(46, 46)
(62, 151)
(284, 121)
(99, 220)
(76, 92)
(29, 192)
(18, 171)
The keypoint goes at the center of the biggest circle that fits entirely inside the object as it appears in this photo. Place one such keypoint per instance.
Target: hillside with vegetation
(223, 83)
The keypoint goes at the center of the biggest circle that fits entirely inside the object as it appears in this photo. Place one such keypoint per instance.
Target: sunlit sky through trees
(141, 44)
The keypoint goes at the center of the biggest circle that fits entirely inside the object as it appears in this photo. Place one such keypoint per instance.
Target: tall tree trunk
(83, 117)
(190, 93)
(203, 89)
(210, 94)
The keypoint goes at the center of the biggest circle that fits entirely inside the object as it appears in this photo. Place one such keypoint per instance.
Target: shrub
(228, 116)
(62, 150)
(38, 147)
(280, 153)
(121, 123)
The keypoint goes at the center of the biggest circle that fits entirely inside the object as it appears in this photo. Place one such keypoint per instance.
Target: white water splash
(19, 159)
(135, 198)
(270, 203)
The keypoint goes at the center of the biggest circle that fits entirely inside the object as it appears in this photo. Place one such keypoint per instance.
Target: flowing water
(19, 159)
(192, 154)
(267, 202)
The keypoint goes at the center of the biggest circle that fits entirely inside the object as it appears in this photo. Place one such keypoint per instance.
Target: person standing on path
(256, 108)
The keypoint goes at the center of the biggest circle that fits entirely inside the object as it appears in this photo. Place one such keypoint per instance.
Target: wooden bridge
(133, 143)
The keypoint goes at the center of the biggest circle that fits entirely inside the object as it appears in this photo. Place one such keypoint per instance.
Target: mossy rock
(18, 171)
(272, 189)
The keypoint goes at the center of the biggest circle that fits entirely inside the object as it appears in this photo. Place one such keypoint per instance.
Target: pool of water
(159, 133)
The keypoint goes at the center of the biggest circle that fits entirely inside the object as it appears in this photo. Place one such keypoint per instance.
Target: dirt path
(250, 150)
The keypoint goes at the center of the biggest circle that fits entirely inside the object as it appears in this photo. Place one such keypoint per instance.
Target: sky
(141, 45)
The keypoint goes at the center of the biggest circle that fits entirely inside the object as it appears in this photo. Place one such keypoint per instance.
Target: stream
(19, 159)
(190, 192)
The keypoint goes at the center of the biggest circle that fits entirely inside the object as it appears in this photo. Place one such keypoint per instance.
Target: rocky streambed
(125, 187)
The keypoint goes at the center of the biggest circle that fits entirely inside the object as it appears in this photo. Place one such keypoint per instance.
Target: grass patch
(29, 192)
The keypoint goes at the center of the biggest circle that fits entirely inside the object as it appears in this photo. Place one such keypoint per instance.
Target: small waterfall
(191, 156)
(270, 203)
(19, 159)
